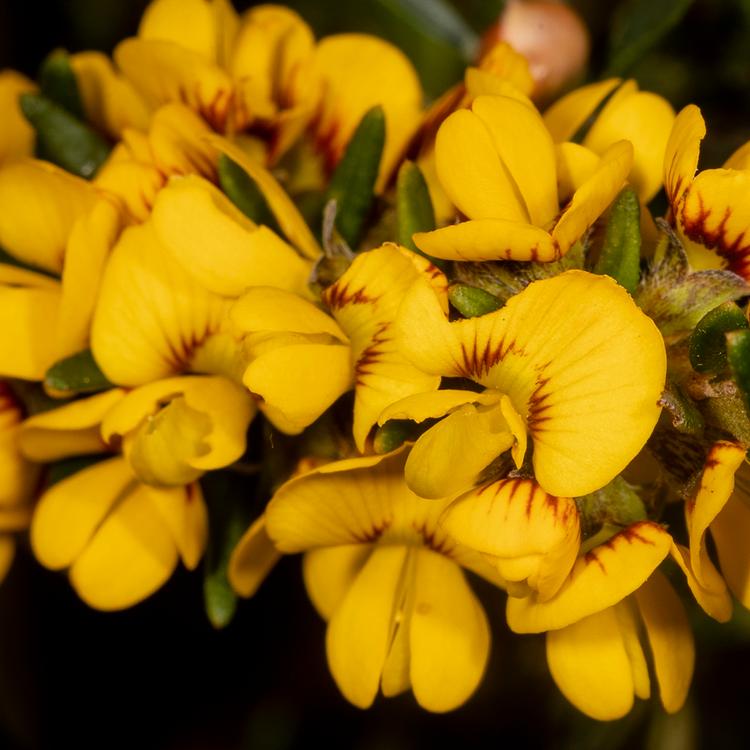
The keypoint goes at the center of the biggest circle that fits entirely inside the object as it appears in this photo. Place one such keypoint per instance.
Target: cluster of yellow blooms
(533, 334)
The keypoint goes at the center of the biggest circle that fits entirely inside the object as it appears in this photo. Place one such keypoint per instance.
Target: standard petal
(593, 197)
(69, 513)
(219, 246)
(683, 149)
(329, 573)
(360, 630)
(568, 114)
(131, 555)
(601, 578)
(589, 663)
(449, 636)
(670, 638)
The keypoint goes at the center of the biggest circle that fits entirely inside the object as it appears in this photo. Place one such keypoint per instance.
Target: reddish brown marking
(538, 404)
(338, 295)
(373, 534)
(631, 533)
(478, 363)
(372, 354)
(444, 547)
(592, 557)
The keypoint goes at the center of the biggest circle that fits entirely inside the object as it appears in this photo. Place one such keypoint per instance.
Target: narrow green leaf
(414, 211)
(637, 27)
(352, 185)
(708, 345)
(621, 252)
(228, 517)
(63, 138)
(57, 82)
(78, 373)
(738, 354)
(471, 301)
(241, 189)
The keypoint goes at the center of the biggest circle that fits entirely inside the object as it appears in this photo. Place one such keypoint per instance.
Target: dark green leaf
(57, 82)
(414, 212)
(352, 185)
(637, 27)
(621, 252)
(241, 189)
(471, 301)
(78, 373)
(64, 139)
(708, 345)
(738, 354)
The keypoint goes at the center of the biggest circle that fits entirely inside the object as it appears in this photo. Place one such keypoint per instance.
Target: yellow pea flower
(498, 165)
(18, 478)
(570, 360)
(388, 581)
(718, 507)
(58, 223)
(302, 359)
(16, 134)
(643, 118)
(710, 210)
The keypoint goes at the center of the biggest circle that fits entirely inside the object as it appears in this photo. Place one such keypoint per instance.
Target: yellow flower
(710, 210)
(379, 569)
(16, 134)
(717, 507)
(570, 360)
(643, 118)
(498, 165)
(302, 359)
(57, 223)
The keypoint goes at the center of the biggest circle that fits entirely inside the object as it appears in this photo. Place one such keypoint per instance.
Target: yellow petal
(450, 456)
(715, 489)
(286, 213)
(670, 638)
(449, 635)
(526, 150)
(329, 573)
(489, 239)
(91, 240)
(39, 203)
(480, 82)
(110, 102)
(18, 477)
(69, 430)
(358, 72)
(16, 134)
(644, 119)
(740, 159)
(507, 65)
(16, 518)
(298, 383)
(714, 598)
(434, 404)
(532, 536)
(627, 620)
(472, 173)
(683, 149)
(12, 275)
(71, 511)
(593, 197)
(28, 343)
(252, 559)
(714, 215)
(360, 630)
(589, 663)
(599, 579)
(131, 555)
(184, 512)
(729, 530)
(218, 246)
(151, 316)
(163, 72)
(365, 301)
(575, 165)
(396, 678)
(566, 116)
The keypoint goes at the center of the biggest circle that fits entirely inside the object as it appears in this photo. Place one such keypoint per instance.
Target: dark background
(159, 676)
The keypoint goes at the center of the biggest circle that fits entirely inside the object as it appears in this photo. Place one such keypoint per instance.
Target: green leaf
(617, 503)
(241, 189)
(471, 301)
(64, 139)
(738, 355)
(352, 185)
(637, 27)
(78, 373)
(414, 211)
(708, 345)
(228, 518)
(58, 83)
(621, 252)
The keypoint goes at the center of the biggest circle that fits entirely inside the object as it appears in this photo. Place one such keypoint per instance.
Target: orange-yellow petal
(16, 134)
(252, 559)
(566, 116)
(681, 155)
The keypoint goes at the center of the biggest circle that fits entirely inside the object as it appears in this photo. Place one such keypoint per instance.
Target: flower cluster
(438, 341)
